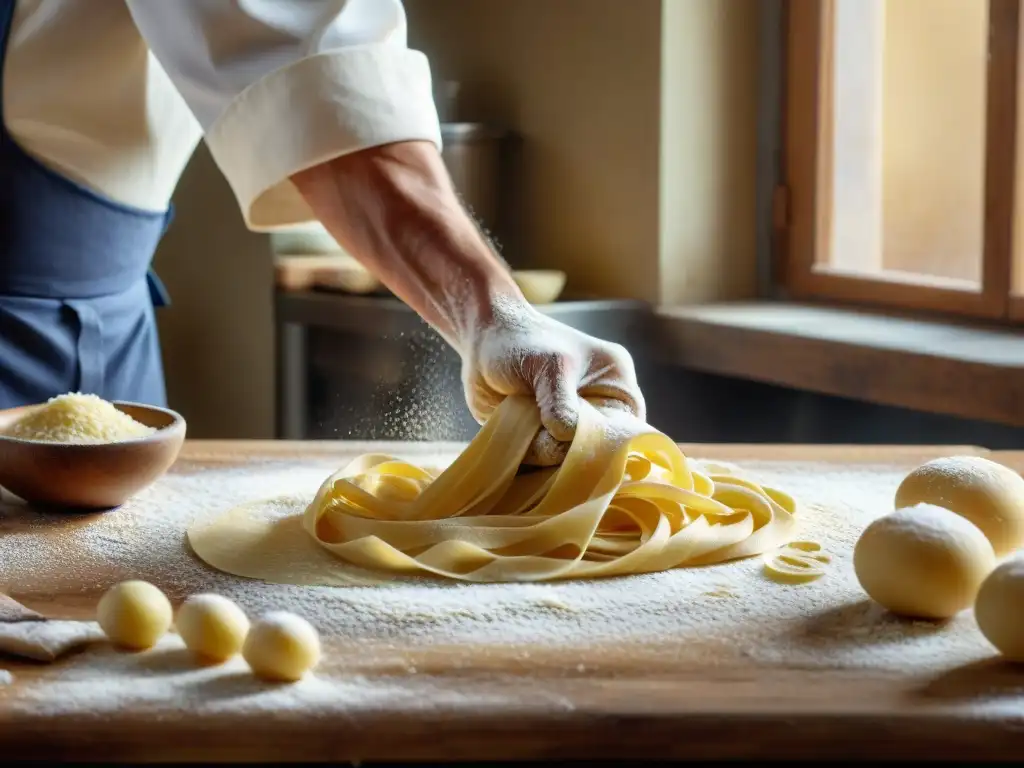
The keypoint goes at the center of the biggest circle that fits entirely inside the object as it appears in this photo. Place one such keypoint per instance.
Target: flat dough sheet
(625, 501)
(266, 540)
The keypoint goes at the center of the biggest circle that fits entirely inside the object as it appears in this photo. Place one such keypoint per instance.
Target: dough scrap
(11, 611)
(625, 501)
(31, 635)
(47, 639)
(797, 563)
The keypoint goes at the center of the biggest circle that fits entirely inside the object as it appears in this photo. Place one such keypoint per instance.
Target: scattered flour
(6, 678)
(108, 681)
(418, 392)
(714, 615)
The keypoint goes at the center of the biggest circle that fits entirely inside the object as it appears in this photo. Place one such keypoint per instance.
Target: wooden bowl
(93, 475)
(540, 286)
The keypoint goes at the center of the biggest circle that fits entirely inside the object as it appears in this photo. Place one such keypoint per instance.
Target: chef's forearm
(394, 209)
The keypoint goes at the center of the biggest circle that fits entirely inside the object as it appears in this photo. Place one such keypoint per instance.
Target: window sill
(937, 366)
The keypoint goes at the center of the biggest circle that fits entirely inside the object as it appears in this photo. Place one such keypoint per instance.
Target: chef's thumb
(558, 401)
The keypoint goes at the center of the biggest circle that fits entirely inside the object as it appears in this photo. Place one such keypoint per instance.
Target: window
(900, 164)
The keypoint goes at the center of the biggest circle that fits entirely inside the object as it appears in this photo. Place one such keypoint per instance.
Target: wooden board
(393, 699)
(339, 272)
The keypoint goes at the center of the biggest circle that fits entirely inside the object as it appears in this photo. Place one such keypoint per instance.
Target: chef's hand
(523, 352)
(395, 209)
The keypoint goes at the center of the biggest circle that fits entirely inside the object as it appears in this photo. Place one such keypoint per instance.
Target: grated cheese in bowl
(77, 418)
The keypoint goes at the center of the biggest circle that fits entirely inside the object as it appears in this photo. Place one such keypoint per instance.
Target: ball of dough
(134, 614)
(923, 561)
(998, 608)
(988, 494)
(212, 626)
(282, 646)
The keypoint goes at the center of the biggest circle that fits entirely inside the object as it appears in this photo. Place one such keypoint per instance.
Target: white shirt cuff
(317, 109)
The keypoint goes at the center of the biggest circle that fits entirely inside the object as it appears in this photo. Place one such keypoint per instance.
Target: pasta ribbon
(626, 500)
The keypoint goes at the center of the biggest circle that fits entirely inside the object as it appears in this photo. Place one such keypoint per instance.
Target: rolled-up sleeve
(280, 86)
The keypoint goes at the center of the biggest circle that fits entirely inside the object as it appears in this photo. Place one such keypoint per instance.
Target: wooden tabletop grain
(487, 702)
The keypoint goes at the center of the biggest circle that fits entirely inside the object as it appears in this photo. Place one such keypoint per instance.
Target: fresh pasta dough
(281, 646)
(134, 614)
(626, 500)
(212, 626)
(923, 562)
(985, 492)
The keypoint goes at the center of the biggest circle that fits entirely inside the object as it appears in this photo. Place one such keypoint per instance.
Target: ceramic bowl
(540, 286)
(93, 475)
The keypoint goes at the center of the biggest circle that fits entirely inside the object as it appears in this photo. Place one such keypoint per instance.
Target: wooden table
(614, 701)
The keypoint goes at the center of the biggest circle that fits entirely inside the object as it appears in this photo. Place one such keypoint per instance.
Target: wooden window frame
(802, 212)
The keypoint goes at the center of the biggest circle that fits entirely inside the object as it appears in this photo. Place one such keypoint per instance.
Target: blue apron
(77, 294)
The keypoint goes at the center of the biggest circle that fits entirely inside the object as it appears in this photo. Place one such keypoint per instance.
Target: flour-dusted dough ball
(923, 561)
(282, 646)
(988, 494)
(134, 614)
(998, 608)
(212, 626)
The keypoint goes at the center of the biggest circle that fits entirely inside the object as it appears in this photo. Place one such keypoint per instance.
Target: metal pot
(473, 154)
(475, 158)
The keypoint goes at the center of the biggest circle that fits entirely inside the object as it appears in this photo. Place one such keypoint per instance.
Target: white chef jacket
(115, 94)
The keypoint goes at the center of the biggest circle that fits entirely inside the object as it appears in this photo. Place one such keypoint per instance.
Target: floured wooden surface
(425, 656)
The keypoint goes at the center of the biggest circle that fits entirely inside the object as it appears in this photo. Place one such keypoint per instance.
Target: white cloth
(116, 93)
